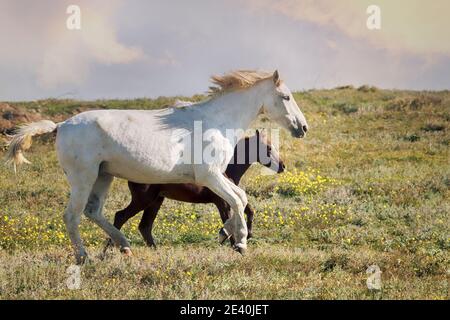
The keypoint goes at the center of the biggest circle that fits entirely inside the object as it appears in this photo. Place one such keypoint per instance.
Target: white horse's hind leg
(79, 194)
(225, 189)
(94, 211)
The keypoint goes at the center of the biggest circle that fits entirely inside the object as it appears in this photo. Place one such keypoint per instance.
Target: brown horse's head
(257, 148)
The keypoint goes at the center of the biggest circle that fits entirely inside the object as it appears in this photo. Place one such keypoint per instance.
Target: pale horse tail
(21, 140)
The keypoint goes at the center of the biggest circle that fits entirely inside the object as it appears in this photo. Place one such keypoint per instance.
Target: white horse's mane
(235, 80)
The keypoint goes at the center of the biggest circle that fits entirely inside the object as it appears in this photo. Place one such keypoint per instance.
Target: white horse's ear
(276, 78)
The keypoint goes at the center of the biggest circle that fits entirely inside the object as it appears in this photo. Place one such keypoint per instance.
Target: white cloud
(139, 48)
(57, 55)
(413, 26)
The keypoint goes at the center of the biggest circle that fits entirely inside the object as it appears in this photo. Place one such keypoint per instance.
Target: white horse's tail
(21, 140)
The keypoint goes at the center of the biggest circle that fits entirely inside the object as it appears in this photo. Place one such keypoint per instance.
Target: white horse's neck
(237, 109)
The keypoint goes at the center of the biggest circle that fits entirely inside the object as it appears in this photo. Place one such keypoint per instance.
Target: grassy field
(370, 185)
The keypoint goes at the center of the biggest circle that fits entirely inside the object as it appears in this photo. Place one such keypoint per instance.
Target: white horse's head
(281, 107)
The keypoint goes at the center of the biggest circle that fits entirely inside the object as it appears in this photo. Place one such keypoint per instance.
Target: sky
(141, 48)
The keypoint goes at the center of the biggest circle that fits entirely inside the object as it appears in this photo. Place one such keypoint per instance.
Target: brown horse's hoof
(223, 236)
(126, 252)
(151, 243)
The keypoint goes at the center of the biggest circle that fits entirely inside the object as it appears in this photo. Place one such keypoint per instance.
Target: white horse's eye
(286, 97)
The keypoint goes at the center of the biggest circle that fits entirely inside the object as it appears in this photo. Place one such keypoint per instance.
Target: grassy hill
(370, 185)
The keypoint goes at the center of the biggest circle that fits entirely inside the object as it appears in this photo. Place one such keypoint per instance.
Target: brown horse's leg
(225, 212)
(250, 214)
(146, 224)
(224, 209)
(122, 216)
(141, 197)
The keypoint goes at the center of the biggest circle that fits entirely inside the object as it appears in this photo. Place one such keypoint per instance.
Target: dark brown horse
(150, 197)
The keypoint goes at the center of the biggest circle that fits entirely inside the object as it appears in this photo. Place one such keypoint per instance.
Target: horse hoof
(126, 252)
(241, 250)
(81, 260)
(151, 243)
(223, 236)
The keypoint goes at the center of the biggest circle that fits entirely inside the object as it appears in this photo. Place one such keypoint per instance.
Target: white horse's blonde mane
(239, 79)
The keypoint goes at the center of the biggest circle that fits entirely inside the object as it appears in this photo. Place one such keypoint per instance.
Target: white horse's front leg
(226, 190)
(241, 194)
(238, 219)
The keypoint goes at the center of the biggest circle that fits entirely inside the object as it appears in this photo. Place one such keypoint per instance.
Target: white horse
(147, 146)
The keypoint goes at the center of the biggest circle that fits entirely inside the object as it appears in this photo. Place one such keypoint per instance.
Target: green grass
(369, 185)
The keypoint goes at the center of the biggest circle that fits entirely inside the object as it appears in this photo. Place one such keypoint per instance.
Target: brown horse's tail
(21, 140)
